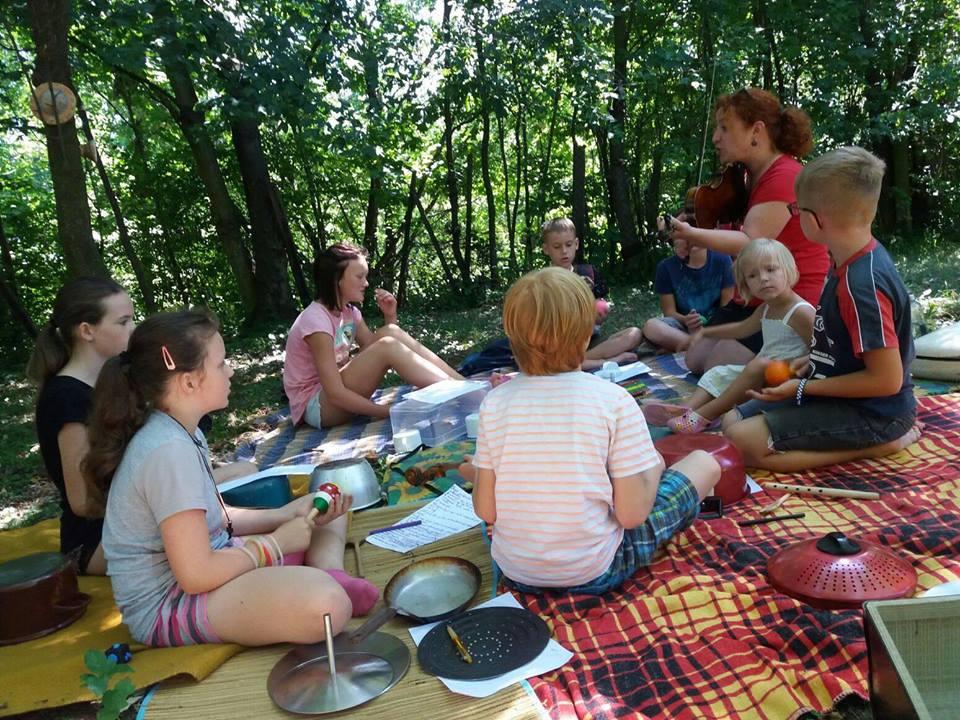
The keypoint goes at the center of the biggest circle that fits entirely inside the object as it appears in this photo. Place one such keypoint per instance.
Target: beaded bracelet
(800, 386)
(278, 552)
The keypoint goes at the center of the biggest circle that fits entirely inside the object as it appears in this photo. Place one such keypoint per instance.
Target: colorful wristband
(800, 386)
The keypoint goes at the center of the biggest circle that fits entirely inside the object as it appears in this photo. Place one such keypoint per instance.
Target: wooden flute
(824, 491)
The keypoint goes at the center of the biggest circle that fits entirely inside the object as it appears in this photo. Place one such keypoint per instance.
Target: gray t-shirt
(162, 473)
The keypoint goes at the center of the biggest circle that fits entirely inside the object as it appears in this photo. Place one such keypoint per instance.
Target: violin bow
(706, 123)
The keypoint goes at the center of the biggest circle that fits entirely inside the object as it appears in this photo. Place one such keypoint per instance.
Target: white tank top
(779, 339)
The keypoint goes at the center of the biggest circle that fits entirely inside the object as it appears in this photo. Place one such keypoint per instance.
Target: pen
(774, 518)
(458, 643)
(400, 526)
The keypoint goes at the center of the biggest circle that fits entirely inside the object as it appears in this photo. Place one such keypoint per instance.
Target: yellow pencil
(461, 648)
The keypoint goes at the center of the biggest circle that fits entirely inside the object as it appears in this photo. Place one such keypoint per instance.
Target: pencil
(458, 643)
(760, 521)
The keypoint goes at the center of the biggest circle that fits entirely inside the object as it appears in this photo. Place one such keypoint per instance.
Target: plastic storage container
(438, 412)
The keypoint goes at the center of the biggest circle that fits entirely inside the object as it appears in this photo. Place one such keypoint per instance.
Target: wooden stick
(769, 518)
(824, 491)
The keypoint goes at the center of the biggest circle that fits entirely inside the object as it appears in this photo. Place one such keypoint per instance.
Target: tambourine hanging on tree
(52, 102)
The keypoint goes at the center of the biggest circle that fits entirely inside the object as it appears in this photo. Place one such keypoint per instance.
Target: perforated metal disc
(498, 639)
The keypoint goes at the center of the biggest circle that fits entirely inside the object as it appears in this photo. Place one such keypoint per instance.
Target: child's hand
(303, 505)
(387, 304)
(783, 391)
(693, 321)
(467, 470)
(800, 366)
(680, 231)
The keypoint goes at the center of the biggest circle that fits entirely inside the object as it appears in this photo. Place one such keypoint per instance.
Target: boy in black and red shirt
(853, 398)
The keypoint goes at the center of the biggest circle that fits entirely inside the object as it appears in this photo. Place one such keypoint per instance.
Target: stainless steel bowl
(353, 476)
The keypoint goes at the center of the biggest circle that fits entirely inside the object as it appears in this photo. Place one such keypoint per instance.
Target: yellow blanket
(45, 672)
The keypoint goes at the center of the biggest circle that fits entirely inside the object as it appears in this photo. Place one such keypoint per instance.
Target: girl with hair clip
(91, 322)
(324, 384)
(753, 128)
(182, 570)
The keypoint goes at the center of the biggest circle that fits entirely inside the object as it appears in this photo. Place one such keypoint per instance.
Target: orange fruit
(777, 373)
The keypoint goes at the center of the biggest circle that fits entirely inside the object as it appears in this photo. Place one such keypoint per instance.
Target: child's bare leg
(278, 604)
(665, 336)
(709, 353)
(395, 331)
(699, 398)
(364, 373)
(327, 545)
(621, 343)
(751, 377)
(701, 469)
(752, 437)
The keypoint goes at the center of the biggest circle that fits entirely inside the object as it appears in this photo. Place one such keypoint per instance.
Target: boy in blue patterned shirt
(854, 398)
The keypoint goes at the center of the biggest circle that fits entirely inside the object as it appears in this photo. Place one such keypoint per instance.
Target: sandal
(691, 422)
(659, 413)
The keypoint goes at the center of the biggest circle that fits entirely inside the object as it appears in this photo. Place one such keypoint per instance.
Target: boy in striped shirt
(565, 466)
(854, 398)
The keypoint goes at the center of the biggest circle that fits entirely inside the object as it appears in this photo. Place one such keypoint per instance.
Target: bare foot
(905, 440)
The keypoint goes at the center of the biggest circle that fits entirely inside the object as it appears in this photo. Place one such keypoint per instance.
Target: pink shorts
(182, 618)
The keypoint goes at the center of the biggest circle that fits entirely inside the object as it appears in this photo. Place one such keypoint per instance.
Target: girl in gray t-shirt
(182, 570)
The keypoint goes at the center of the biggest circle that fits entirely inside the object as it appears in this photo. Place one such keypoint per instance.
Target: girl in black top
(91, 322)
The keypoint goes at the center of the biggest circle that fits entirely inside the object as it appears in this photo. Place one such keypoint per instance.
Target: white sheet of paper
(553, 656)
(269, 472)
(631, 369)
(448, 515)
(753, 486)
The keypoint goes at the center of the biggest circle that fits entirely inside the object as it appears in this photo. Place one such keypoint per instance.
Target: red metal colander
(836, 572)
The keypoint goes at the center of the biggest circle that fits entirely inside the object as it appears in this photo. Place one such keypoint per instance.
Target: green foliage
(113, 700)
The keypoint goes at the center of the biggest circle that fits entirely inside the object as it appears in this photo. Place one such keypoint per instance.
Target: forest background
(219, 144)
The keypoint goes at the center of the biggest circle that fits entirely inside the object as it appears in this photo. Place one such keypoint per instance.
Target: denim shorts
(825, 424)
(311, 415)
(675, 507)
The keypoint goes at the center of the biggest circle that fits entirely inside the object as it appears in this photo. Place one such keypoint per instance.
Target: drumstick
(458, 644)
(824, 491)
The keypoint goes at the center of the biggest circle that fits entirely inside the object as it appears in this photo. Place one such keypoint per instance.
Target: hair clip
(167, 358)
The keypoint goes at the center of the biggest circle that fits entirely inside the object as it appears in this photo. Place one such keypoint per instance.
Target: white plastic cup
(473, 424)
(407, 440)
(610, 367)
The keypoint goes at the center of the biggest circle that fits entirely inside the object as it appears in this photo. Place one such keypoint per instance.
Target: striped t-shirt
(554, 443)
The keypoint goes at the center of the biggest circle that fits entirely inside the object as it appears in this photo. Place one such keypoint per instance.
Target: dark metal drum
(38, 596)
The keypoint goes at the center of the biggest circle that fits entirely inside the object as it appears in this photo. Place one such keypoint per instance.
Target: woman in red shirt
(753, 128)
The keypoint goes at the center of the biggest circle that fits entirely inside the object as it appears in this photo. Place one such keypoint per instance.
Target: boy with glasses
(853, 398)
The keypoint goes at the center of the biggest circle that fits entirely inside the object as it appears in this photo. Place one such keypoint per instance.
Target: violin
(721, 200)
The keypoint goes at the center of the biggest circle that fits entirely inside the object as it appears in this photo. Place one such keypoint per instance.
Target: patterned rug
(702, 634)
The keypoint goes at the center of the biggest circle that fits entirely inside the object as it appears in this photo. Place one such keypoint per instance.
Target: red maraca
(323, 499)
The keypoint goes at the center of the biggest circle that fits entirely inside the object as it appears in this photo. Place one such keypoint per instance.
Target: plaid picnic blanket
(701, 633)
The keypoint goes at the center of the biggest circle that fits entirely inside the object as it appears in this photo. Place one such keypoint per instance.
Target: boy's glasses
(795, 211)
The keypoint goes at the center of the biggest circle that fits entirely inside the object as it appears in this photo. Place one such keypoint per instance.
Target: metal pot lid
(835, 571)
(301, 682)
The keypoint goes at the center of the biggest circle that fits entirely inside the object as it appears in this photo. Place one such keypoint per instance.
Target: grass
(26, 496)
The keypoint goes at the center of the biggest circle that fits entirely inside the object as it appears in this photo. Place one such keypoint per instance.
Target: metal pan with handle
(425, 591)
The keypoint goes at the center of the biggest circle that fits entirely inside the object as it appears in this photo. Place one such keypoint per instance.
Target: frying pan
(425, 591)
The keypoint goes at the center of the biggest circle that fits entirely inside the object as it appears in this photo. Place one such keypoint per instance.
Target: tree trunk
(453, 192)
(524, 154)
(50, 24)
(407, 233)
(140, 270)
(468, 209)
(319, 220)
(617, 176)
(485, 163)
(8, 287)
(444, 265)
(545, 159)
(511, 212)
(269, 254)
(293, 255)
(226, 216)
(144, 189)
(579, 200)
